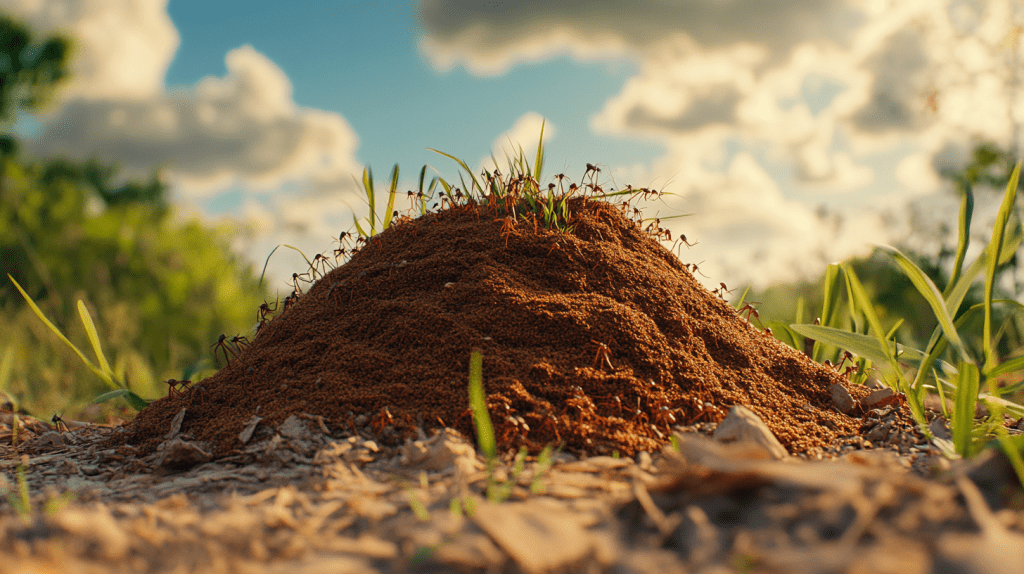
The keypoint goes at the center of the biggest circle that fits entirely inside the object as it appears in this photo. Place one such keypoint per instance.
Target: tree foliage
(162, 288)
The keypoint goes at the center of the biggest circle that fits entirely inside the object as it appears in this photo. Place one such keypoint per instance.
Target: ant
(264, 311)
(342, 242)
(221, 344)
(853, 368)
(59, 423)
(240, 342)
(560, 177)
(290, 300)
(295, 282)
(174, 386)
(695, 269)
(749, 308)
(721, 291)
(603, 354)
(649, 192)
(682, 239)
(508, 224)
(320, 260)
(664, 417)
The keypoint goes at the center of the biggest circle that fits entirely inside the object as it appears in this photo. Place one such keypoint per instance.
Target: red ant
(721, 291)
(240, 342)
(175, 387)
(649, 192)
(853, 368)
(695, 269)
(264, 311)
(59, 423)
(603, 354)
(320, 260)
(664, 417)
(508, 224)
(342, 240)
(290, 300)
(749, 308)
(295, 283)
(221, 344)
(682, 239)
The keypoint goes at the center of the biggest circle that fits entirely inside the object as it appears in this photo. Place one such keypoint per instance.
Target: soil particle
(598, 341)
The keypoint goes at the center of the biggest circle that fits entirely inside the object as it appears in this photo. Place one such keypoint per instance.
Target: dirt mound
(598, 340)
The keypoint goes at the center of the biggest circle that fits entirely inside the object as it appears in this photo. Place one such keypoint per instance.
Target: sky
(790, 133)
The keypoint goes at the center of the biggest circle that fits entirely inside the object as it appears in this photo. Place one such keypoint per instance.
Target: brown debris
(599, 341)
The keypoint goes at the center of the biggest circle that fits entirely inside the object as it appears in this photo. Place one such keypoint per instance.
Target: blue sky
(797, 134)
(361, 59)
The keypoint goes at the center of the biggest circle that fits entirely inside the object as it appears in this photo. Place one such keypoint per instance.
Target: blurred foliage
(160, 288)
(894, 296)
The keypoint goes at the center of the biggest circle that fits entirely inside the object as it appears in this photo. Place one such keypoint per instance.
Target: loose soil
(597, 341)
(337, 441)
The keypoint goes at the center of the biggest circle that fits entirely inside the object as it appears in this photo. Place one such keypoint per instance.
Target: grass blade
(94, 338)
(964, 239)
(831, 296)
(1015, 364)
(964, 401)
(478, 405)
(39, 313)
(464, 166)
(138, 403)
(538, 164)
(829, 306)
(390, 212)
(370, 199)
(994, 250)
(862, 303)
(931, 294)
(6, 365)
(862, 345)
(859, 301)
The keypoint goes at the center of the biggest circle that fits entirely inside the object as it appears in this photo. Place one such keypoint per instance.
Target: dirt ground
(305, 501)
(338, 438)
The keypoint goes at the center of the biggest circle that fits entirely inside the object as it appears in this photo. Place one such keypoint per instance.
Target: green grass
(946, 365)
(119, 388)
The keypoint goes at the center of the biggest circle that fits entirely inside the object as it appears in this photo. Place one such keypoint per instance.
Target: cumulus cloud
(488, 38)
(122, 47)
(822, 89)
(242, 129)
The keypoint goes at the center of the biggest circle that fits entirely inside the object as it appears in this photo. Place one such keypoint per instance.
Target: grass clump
(119, 388)
(947, 365)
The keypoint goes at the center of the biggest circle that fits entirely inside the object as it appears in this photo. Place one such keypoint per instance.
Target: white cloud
(488, 38)
(242, 128)
(239, 130)
(825, 88)
(122, 48)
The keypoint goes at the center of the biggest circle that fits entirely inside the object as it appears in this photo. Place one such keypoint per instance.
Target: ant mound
(598, 340)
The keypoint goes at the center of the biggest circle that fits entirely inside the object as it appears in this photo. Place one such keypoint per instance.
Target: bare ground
(300, 500)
